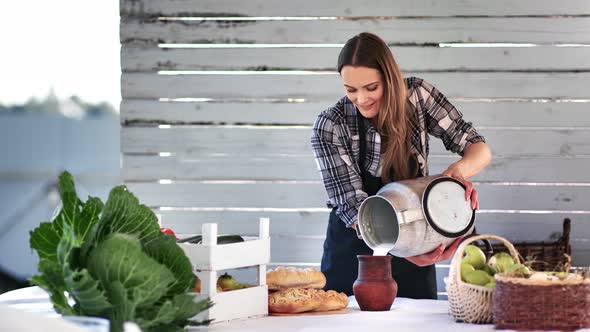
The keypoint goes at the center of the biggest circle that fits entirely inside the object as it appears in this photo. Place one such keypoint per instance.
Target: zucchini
(225, 239)
(221, 239)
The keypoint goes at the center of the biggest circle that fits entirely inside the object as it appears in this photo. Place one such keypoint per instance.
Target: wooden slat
(328, 87)
(210, 257)
(350, 8)
(286, 225)
(265, 141)
(434, 30)
(303, 168)
(494, 114)
(307, 230)
(408, 58)
(304, 195)
(310, 250)
(133, 110)
(298, 250)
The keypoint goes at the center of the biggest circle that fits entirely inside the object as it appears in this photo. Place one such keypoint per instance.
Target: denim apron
(339, 262)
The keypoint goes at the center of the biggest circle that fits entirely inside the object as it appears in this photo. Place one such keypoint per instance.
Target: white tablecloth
(405, 315)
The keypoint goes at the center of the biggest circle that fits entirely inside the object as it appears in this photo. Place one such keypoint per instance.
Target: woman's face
(364, 87)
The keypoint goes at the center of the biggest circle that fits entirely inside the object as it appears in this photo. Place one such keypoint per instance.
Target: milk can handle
(410, 215)
(358, 231)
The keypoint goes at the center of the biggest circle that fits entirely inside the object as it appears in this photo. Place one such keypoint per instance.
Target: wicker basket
(543, 256)
(524, 304)
(471, 303)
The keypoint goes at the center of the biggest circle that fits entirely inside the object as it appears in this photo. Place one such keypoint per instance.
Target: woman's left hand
(454, 171)
(437, 255)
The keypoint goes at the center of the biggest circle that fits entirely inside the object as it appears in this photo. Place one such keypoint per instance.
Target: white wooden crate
(209, 257)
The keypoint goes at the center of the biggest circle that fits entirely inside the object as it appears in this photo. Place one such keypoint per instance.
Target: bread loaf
(298, 300)
(331, 300)
(293, 290)
(290, 277)
(293, 300)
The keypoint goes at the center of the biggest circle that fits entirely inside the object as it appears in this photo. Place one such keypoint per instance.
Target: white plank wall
(270, 194)
(229, 166)
(352, 8)
(219, 97)
(322, 86)
(195, 140)
(495, 114)
(414, 30)
(410, 58)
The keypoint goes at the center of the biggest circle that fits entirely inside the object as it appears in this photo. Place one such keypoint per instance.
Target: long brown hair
(393, 121)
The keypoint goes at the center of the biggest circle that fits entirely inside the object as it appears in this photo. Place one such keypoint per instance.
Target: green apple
(501, 261)
(241, 286)
(478, 277)
(491, 284)
(544, 276)
(474, 256)
(489, 270)
(465, 269)
(227, 282)
(561, 275)
(518, 270)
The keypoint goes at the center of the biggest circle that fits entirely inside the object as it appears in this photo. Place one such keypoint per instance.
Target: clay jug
(374, 289)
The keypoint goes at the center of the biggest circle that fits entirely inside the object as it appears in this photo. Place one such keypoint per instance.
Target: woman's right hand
(470, 193)
(437, 255)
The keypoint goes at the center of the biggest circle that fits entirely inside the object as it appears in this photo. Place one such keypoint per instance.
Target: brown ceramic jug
(374, 289)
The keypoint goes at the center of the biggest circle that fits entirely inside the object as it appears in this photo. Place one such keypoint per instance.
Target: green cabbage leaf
(111, 260)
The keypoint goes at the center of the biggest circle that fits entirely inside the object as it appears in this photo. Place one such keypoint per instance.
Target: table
(405, 315)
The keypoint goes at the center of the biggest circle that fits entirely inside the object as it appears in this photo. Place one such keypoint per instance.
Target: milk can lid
(445, 207)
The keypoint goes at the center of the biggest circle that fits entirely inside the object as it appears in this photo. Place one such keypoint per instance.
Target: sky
(70, 46)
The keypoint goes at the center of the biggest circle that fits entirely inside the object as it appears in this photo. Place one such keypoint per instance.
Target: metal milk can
(413, 217)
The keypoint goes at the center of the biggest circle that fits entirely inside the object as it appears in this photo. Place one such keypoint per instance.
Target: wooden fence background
(219, 98)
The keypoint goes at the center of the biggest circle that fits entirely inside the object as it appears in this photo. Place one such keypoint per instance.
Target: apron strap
(360, 120)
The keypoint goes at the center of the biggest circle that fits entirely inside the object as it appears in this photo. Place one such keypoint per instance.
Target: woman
(377, 134)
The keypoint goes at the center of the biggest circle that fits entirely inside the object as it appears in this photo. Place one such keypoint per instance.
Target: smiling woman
(364, 88)
(374, 135)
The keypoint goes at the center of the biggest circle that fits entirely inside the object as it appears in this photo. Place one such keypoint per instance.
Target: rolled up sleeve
(444, 121)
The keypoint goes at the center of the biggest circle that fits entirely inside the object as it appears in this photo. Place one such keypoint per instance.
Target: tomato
(168, 231)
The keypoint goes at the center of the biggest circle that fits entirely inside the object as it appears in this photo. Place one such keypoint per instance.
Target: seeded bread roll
(290, 277)
(293, 300)
(331, 300)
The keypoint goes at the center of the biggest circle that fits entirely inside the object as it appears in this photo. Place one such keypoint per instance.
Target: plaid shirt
(335, 143)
